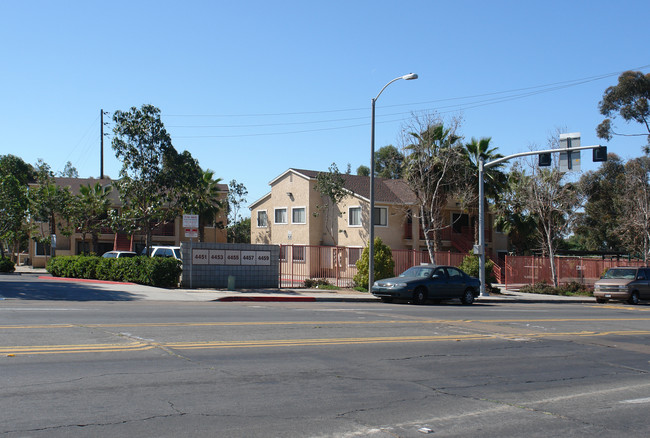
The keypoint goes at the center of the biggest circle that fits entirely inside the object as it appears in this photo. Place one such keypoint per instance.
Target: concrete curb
(283, 295)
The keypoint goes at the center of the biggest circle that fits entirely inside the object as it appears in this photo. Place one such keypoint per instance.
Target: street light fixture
(371, 233)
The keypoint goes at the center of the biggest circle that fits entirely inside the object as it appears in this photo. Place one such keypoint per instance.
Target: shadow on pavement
(45, 290)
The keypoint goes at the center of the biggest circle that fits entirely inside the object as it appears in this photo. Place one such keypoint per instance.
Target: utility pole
(101, 144)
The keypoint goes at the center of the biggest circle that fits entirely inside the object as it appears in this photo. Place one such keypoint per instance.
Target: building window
(354, 254)
(354, 216)
(381, 216)
(298, 216)
(42, 249)
(298, 253)
(280, 215)
(262, 219)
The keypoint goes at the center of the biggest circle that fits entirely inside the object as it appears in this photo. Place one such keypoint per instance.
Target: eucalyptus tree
(629, 98)
(598, 227)
(15, 174)
(635, 206)
(237, 232)
(389, 162)
(552, 200)
(433, 167)
(142, 143)
(513, 214)
(50, 204)
(15, 166)
(14, 205)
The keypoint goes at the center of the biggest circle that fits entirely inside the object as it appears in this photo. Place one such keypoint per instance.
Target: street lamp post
(371, 226)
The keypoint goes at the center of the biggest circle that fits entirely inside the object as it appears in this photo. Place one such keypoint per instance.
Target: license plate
(608, 295)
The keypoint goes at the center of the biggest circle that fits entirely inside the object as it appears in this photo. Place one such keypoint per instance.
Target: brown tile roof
(391, 191)
(114, 195)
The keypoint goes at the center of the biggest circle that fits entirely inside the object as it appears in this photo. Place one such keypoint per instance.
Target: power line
(544, 88)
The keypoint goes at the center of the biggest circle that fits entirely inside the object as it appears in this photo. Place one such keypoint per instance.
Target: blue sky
(252, 88)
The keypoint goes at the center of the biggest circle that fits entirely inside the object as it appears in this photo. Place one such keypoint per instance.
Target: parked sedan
(428, 282)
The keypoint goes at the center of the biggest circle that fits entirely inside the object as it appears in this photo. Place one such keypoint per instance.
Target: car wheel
(419, 295)
(386, 299)
(601, 300)
(468, 297)
(634, 298)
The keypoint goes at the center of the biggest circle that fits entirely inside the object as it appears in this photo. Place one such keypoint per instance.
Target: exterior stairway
(123, 242)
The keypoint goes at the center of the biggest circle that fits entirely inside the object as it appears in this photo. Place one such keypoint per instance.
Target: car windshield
(628, 274)
(177, 252)
(417, 271)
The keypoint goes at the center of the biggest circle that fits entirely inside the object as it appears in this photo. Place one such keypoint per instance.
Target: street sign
(191, 232)
(570, 160)
(190, 221)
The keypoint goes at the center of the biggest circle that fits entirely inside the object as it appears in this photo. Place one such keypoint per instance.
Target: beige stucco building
(293, 213)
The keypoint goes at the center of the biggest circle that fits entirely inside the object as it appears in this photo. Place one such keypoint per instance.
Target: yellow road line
(290, 323)
(67, 349)
(141, 346)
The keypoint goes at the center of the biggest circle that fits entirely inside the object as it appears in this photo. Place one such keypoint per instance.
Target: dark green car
(428, 282)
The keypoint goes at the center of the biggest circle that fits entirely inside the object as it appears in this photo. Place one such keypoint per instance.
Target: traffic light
(544, 160)
(600, 154)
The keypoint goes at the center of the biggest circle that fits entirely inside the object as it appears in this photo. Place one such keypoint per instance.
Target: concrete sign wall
(223, 265)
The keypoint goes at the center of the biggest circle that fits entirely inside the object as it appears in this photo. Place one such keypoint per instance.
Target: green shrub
(572, 288)
(311, 283)
(151, 271)
(471, 266)
(384, 264)
(6, 265)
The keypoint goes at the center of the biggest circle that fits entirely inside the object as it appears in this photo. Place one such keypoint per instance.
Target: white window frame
(258, 219)
(275, 216)
(304, 209)
(350, 208)
(378, 216)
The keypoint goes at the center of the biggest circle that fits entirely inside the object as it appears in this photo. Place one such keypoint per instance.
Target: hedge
(150, 271)
(6, 265)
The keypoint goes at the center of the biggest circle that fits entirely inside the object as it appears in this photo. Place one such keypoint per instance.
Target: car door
(456, 282)
(437, 285)
(644, 284)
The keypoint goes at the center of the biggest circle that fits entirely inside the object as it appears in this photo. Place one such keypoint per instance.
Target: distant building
(171, 233)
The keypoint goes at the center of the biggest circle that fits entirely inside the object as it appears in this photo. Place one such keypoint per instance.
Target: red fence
(337, 264)
(522, 270)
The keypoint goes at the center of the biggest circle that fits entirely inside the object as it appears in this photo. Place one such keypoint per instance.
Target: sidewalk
(141, 292)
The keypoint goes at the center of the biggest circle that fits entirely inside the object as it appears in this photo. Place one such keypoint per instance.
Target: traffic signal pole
(482, 165)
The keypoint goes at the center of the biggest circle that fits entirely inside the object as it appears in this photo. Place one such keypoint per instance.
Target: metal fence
(523, 270)
(337, 264)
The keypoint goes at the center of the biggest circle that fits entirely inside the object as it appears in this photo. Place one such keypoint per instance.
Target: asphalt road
(169, 369)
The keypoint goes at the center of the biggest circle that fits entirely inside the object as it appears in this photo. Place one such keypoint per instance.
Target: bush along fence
(150, 271)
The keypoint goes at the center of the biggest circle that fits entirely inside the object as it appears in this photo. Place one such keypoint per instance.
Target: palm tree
(495, 179)
(207, 201)
(92, 212)
(431, 168)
